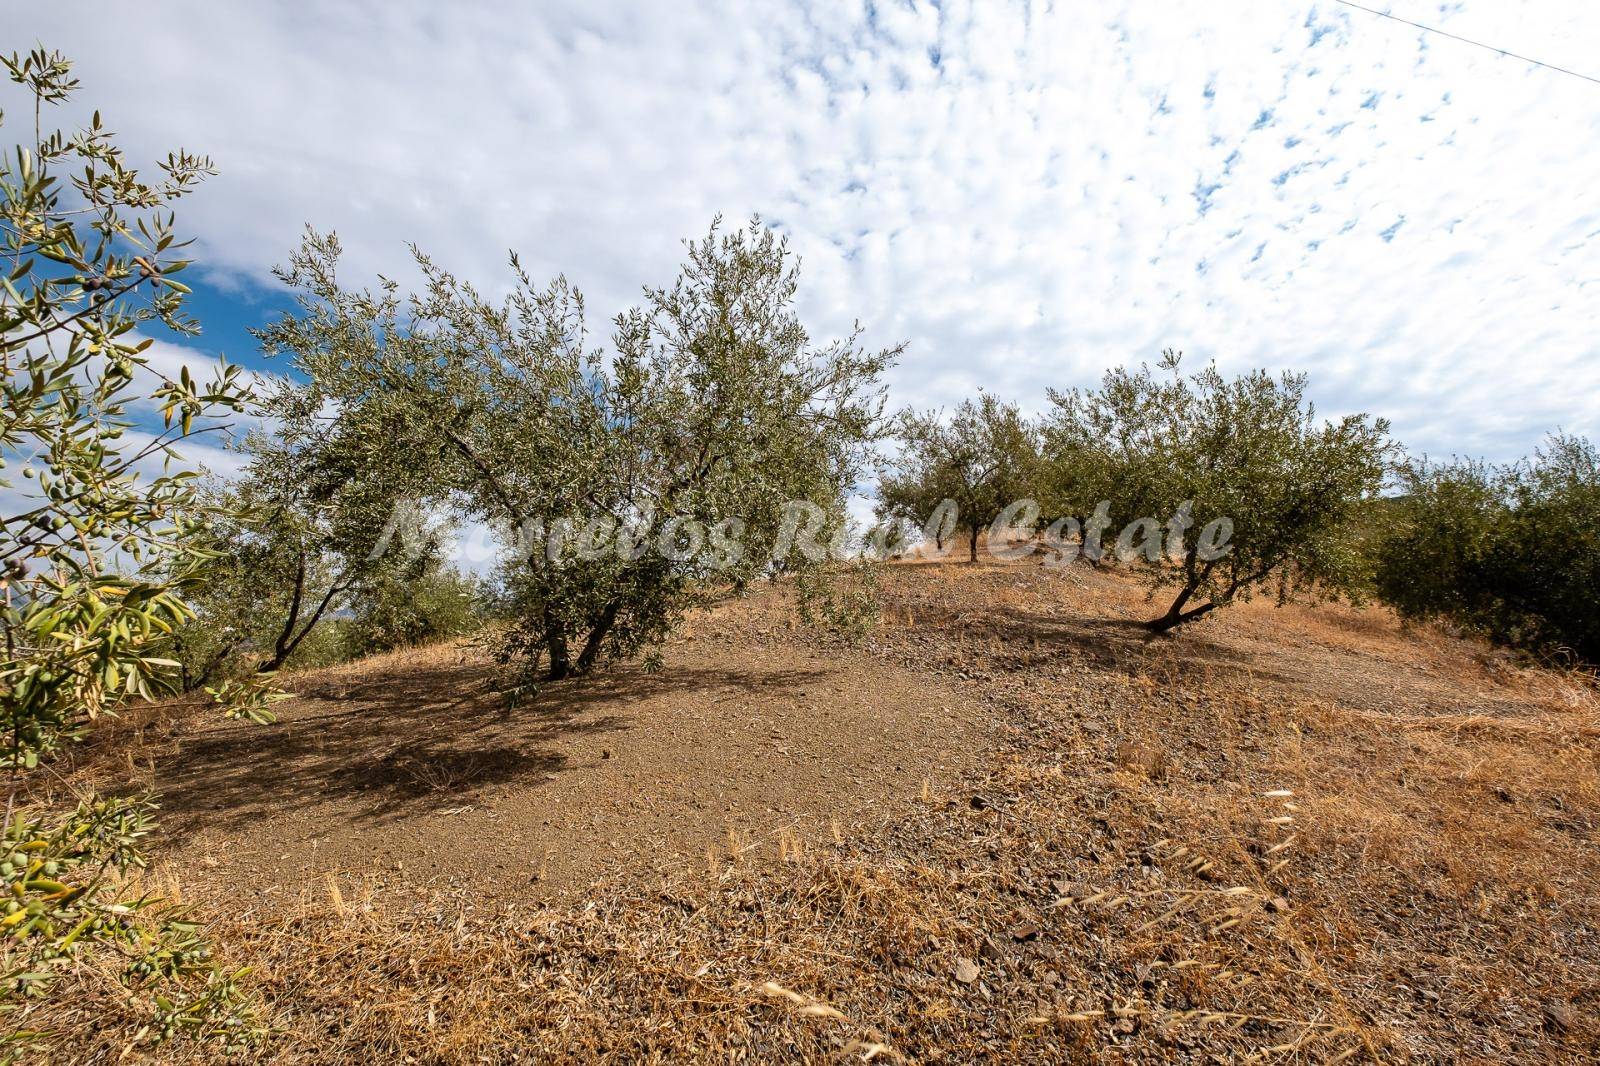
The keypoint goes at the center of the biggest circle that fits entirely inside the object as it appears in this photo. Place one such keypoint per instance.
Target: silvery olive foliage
(68, 913)
(981, 458)
(418, 602)
(1178, 454)
(628, 482)
(842, 602)
(98, 538)
(322, 535)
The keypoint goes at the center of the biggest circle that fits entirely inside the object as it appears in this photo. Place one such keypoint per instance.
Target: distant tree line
(1222, 486)
(1226, 487)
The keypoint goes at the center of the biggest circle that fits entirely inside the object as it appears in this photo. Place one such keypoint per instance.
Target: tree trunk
(289, 640)
(1177, 616)
(283, 645)
(974, 543)
(193, 681)
(555, 642)
(597, 636)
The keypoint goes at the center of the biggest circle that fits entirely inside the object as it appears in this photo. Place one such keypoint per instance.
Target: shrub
(1429, 558)
(426, 602)
(1512, 552)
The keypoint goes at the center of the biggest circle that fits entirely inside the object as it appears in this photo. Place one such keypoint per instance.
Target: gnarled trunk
(293, 632)
(1177, 616)
(555, 643)
(597, 636)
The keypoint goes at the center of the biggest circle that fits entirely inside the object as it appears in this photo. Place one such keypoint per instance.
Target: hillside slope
(1011, 825)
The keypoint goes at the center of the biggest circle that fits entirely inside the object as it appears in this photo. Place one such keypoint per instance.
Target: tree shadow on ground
(1074, 623)
(375, 749)
(1125, 645)
(1212, 650)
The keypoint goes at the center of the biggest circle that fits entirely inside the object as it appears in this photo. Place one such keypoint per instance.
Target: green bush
(1512, 552)
(435, 604)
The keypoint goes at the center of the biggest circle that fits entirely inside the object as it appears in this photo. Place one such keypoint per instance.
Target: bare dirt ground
(409, 769)
(1300, 834)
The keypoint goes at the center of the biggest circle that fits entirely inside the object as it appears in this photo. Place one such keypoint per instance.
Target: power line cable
(1467, 40)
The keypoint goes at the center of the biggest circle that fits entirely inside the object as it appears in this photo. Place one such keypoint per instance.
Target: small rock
(966, 971)
(1557, 1016)
(988, 949)
(1277, 905)
(1025, 931)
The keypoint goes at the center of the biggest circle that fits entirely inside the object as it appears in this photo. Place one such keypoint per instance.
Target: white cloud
(1026, 194)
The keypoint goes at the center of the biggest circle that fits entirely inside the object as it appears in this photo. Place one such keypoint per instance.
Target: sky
(1025, 194)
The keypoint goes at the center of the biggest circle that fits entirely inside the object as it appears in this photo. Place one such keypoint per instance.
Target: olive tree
(911, 499)
(1244, 463)
(99, 541)
(325, 522)
(304, 549)
(979, 461)
(1436, 536)
(627, 483)
(1547, 572)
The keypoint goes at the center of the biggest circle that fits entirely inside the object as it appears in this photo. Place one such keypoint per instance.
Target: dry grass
(1299, 835)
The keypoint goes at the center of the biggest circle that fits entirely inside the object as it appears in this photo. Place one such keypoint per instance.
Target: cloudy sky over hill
(1027, 194)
